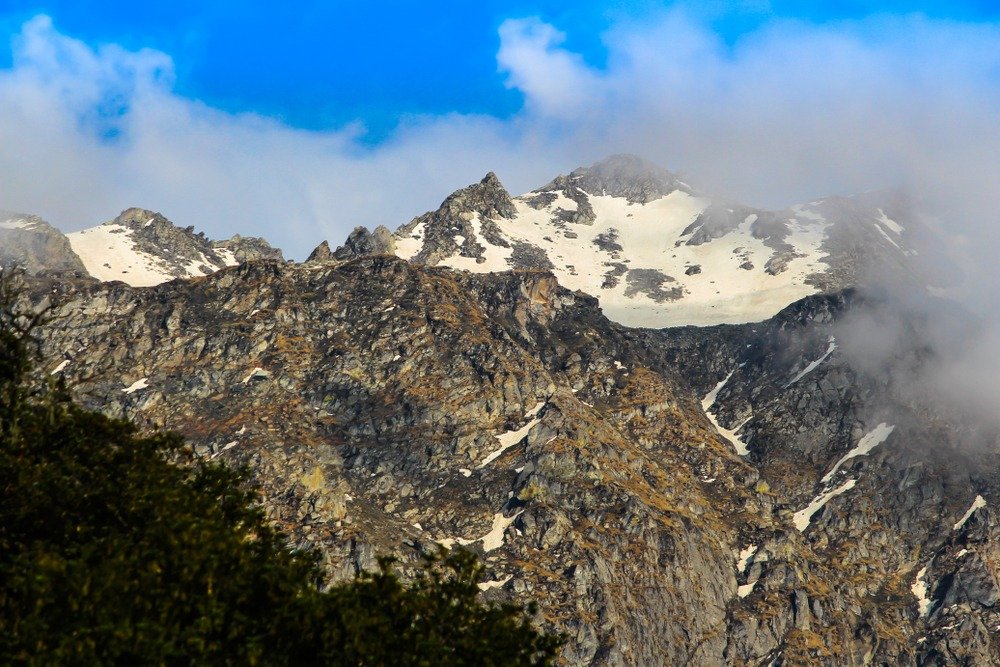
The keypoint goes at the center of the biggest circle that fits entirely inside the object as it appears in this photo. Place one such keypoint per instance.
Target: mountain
(761, 491)
(656, 252)
(738, 494)
(29, 242)
(143, 248)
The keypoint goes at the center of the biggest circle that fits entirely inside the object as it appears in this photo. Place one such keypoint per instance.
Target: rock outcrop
(360, 243)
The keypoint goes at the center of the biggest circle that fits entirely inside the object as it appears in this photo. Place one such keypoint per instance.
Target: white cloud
(225, 173)
(556, 83)
(789, 112)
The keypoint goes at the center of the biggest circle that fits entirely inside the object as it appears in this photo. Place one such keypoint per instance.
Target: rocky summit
(749, 493)
(143, 248)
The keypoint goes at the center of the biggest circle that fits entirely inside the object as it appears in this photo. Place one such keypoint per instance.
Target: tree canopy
(118, 547)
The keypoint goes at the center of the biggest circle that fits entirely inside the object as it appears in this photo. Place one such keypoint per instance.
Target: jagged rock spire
(489, 198)
(322, 252)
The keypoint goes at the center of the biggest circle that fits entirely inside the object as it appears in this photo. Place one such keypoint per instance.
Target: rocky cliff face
(743, 494)
(28, 242)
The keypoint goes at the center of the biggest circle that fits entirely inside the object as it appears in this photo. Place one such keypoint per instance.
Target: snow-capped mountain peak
(654, 251)
(143, 248)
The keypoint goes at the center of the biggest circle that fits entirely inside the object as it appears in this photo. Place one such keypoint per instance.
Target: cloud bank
(787, 113)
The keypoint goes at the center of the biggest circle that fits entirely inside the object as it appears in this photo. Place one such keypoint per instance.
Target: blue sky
(300, 120)
(323, 64)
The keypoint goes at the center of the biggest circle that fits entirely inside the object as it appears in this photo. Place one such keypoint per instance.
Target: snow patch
(919, 590)
(227, 255)
(408, 246)
(449, 542)
(17, 223)
(744, 559)
(256, 373)
(728, 434)
(60, 367)
(710, 397)
(978, 503)
(870, 441)
(802, 518)
(889, 222)
(814, 364)
(494, 539)
(511, 438)
(136, 386)
(886, 236)
(491, 540)
(488, 585)
(495, 258)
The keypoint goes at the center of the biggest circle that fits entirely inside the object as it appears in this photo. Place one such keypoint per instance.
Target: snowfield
(652, 250)
(722, 280)
(108, 253)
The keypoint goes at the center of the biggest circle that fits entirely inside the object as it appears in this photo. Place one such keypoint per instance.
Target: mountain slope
(655, 252)
(387, 406)
(143, 248)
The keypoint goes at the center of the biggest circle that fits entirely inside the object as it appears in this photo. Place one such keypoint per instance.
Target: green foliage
(112, 552)
(435, 620)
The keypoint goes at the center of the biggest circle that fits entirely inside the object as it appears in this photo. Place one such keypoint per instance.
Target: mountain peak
(629, 176)
(29, 242)
(142, 248)
(489, 198)
(137, 218)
